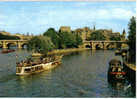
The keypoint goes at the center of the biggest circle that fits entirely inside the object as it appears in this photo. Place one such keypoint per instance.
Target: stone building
(65, 29)
(23, 37)
(109, 33)
(84, 32)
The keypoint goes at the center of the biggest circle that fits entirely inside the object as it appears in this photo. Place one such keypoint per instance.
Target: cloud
(39, 16)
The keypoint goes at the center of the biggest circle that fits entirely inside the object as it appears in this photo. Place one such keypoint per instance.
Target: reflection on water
(81, 74)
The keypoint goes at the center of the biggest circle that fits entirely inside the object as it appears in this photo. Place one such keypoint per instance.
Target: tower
(123, 35)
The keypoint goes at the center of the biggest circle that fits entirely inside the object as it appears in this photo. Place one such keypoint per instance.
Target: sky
(37, 17)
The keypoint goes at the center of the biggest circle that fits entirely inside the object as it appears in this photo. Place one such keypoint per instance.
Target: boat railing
(44, 60)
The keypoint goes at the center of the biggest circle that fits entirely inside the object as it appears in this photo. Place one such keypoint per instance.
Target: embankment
(67, 51)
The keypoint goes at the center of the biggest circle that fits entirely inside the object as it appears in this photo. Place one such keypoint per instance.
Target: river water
(81, 74)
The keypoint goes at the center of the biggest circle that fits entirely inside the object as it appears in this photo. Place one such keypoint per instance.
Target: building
(5, 33)
(65, 29)
(85, 33)
(23, 37)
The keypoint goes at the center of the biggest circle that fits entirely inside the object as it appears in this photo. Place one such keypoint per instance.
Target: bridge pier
(4, 45)
(19, 45)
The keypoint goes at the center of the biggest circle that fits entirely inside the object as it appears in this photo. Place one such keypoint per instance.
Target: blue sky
(37, 17)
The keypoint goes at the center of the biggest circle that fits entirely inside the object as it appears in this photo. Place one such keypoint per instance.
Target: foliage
(132, 37)
(40, 44)
(53, 35)
(114, 38)
(7, 37)
(67, 40)
(78, 40)
(97, 35)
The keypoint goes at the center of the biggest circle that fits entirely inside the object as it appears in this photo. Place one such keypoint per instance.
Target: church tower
(123, 38)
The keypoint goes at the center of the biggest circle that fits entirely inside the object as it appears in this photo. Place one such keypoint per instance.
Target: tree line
(7, 37)
(52, 39)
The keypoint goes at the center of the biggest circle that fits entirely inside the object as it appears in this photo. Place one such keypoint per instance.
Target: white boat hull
(42, 67)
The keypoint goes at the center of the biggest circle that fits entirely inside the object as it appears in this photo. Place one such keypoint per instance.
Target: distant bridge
(91, 44)
(103, 44)
(7, 43)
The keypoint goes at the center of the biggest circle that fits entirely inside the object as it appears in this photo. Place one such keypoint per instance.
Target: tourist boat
(7, 51)
(31, 67)
(116, 71)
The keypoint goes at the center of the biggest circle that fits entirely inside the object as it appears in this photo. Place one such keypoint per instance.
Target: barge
(7, 51)
(116, 71)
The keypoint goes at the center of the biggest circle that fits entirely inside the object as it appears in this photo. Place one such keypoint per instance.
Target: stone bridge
(7, 43)
(91, 44)
(104, 44)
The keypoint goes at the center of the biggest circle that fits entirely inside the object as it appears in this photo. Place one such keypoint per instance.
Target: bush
(40, 44)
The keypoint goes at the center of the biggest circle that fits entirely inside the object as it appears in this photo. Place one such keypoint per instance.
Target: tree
(40, 44)
(8, 37)
(67, 40)
(53, 35)
(78, 40)
(114, 38)
(97, 35)
(132, 38)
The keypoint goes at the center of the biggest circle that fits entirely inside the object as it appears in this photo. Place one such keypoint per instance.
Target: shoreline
(66, 51)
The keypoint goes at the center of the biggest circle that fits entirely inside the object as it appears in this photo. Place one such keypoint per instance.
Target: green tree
(67, 40)
(114, 38)
(7, 37)
(78, 40)
(40, 44)
(132, 38)
(53, 35)
(97, 35)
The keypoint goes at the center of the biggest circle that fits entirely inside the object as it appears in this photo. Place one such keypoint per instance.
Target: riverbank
(62, 51)
(67, 51)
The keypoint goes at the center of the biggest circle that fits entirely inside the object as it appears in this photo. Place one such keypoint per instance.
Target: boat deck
(131, 66)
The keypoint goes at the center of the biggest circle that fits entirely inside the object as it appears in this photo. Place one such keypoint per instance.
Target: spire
(94, 28)
(124, 32)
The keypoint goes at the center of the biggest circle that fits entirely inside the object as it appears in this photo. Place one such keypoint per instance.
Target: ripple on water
(81, 74)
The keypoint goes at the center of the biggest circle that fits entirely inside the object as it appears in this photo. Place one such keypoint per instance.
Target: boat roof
(113, 61)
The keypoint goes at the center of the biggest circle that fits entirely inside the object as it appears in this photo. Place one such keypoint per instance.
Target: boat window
(27, 70)
(112, 65)
(113, 69)
(33, 69)
(18, 70)
(36, 68)
(119, 69)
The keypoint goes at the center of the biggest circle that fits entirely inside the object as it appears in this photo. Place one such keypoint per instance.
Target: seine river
(82, 74)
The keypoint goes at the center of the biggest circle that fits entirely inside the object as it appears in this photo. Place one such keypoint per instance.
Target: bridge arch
(98, 45)
(11, 44)
(111, 46)
(24, 45)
